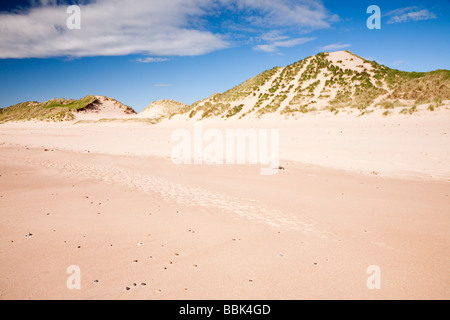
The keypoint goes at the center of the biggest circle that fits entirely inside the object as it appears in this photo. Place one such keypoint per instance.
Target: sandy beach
(355, 192)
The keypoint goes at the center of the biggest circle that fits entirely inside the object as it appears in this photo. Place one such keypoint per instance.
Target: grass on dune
(54, 110)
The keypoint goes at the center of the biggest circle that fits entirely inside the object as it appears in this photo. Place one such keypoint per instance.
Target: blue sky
(139, 51)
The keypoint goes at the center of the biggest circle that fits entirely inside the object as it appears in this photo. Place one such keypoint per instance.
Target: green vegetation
(425, 88)
(435, 103)
(273, 106)
(409, 111)
(342, 99)
(213, 110)
(247, 88)
(298, 109)
(386, 104)
(389, 104)
(358, 88)
(235, 111)
(54, 110)
(70, 104)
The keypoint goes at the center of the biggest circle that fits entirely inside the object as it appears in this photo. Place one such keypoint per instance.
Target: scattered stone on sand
(128, 288)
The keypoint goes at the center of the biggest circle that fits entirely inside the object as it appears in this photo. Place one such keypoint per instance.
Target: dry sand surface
(356, 192)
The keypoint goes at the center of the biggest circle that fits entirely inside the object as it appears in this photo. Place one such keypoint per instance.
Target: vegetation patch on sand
(54, 110)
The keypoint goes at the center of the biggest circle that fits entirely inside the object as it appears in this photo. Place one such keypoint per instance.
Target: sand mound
(162, 109)
(104, 107)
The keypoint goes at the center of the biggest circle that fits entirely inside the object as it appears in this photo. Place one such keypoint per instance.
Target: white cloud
(274, 46)
(151, 60)
(305, 14)
(153, 27)
(409, 14)
(108, 28)
(335, 46)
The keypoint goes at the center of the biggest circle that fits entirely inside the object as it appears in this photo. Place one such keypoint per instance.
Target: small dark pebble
(95, 281)
(143, 284)
(127, 288)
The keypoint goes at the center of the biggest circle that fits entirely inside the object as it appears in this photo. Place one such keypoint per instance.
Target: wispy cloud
(108, 28)
(409, 14)
(304, 14)
(151, 60)
(154, 28)
(335, 46)
(277, 42)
